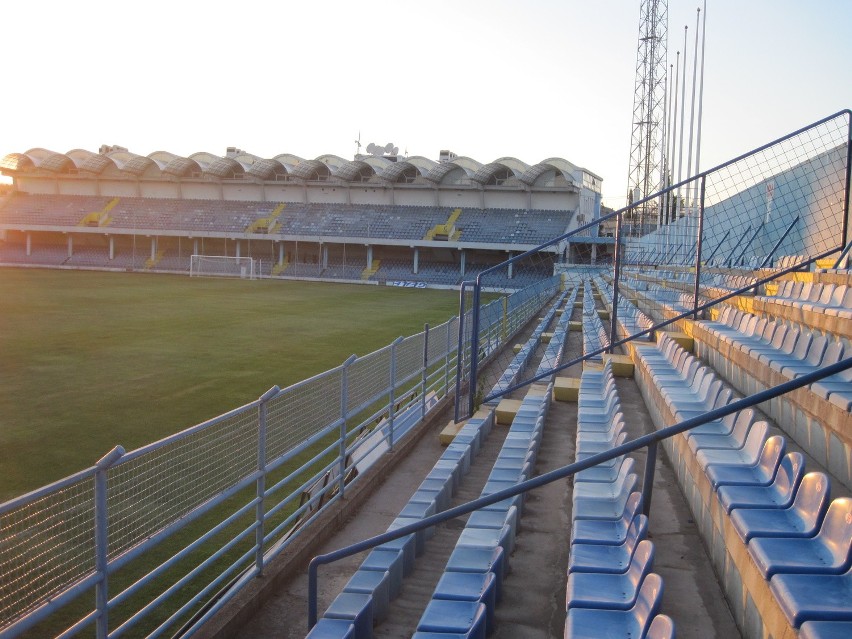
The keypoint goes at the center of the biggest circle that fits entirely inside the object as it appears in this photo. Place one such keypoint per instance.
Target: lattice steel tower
(647, 153)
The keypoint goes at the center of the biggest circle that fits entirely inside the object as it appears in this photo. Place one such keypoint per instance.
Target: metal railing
(788, 197)
(230, 494)
(650, 441)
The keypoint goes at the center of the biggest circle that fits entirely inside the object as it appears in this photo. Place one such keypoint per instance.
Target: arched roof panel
(395, 171)
(487, 173)
(311, 170)
(333, 162)
(423, 164)
(442, 170)
(355, 171)
(261, 168)
(50, 160)
(288, 160)
(16, 162)
(90, 162)
(224, 168)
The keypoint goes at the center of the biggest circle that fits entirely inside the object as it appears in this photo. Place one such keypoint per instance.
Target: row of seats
(629, 318)
(365, 599)
(611, 590)
(464, 599)
(522, 358)
(812, 296)
(780, 514)
(755, 353)
(467, 592)
(595, 336)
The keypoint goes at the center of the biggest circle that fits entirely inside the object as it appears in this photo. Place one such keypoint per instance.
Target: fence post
(260, 508)
(447, 358)
(392, 391)
(424, 380)
(344, 408)
(616, 276)
(648, 478)
(698, 247)
(474, 347)
(102, 540)
(460, 354)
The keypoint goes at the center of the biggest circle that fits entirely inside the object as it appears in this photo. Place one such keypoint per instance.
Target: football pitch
(90, 360)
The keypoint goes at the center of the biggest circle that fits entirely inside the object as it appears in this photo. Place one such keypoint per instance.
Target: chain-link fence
(228, 494)
(719, 235)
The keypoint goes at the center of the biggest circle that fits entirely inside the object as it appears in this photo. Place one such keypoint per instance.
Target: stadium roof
(285, 166)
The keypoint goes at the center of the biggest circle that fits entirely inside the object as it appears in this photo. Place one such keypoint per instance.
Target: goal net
(222, 266)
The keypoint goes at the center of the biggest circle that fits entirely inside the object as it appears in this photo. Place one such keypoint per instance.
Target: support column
(153, 247)
(70, 246)
(29, 244)
(324, 249)
(370, 256)
(280, 253)
(462, 261)
(195, 246)
(112, 247)
(416, 259)
(511, 265)
(594, 254)
(237, 249)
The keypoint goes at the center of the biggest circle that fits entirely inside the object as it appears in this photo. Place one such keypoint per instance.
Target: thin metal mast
(646, 173)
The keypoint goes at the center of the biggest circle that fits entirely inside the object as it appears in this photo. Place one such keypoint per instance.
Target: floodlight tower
(648, 163)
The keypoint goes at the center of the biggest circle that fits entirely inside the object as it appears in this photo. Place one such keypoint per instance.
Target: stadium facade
(376, 218)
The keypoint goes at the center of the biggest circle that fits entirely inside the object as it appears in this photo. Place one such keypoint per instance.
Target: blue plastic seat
(778, 494)
(355, 607)
(612, 591)
(734, 438)
(828, 553)
(826, 630)
(374, 583)
(802, 519)
(762, 473)
(608, 559)
(747, 455)
(662, 627)
(468, 586)
(465, 618)
(332, 629)
(813, 597)
(386, 560)
(592, 500)
(611, 532)
(634, 622)
(479, 560)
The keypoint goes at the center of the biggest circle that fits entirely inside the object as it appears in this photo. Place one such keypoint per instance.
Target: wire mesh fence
(783, 205)
(290, 440)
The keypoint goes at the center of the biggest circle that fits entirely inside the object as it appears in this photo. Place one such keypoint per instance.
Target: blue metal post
(344, 413)
(616, 277)
(783, 237)
(392, 391)
(260, 508)
(698, 245)
(718, 246)
(424, 380)
(727, 261)
(648, 479)
(460, 353)
(474, 346)
(748, 244)
(102, 540)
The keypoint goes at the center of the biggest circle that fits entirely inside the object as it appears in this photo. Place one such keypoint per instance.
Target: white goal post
(223, 266)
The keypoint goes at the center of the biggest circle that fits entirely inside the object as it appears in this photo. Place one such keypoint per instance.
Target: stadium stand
(767, 486)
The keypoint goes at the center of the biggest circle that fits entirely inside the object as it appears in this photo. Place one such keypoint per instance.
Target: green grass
(91, 360)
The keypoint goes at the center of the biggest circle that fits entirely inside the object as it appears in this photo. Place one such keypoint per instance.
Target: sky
(485, 79)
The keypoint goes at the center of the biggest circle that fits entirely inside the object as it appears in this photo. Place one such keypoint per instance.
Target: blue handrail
(560, 473)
